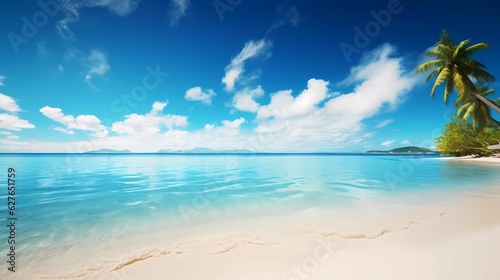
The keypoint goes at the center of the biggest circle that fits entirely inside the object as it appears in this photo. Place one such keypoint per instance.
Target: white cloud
(405, 142)
(314, 118)
(13, 122)
(196, 94)
(318, 119)
(97, 64)
(72, 8)
(178, 9)
(233, 124)
(9, 120)
(80, 122)
(387, 143)
(236, 68)
(244, 100)
(284, 105)
(2, 78)
(384, 123)
(150, 123)
(229, 131)
(63, 130)
(158, 107)
(8, 104)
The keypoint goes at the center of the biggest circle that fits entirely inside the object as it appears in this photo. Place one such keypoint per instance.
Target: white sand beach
(449, 237)
(486, 160)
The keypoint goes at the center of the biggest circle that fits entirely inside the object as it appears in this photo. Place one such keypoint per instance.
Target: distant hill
(405, 150)
(108, 151)
(206, 151)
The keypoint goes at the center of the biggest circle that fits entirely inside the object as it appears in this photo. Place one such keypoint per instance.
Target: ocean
(82, 212)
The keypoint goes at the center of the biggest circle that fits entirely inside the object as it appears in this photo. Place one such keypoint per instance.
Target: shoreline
(448, 238)
(475, 160)
(443, 235)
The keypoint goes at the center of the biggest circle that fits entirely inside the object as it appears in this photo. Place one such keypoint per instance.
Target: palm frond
(448, 89)
(463, 108)
(443, 75)
(429, 65)
(432, 75)
(445, 37)
(469, 51)
(432, 53)
(460, 47)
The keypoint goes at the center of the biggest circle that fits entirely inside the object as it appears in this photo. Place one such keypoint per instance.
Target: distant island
(404, 150)
(108, 151)
(206, 151)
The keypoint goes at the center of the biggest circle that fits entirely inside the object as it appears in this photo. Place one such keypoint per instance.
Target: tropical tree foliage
(470, 107)
(453, 66)
(461, 138)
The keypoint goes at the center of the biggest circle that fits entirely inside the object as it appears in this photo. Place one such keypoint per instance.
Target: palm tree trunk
(484, 100)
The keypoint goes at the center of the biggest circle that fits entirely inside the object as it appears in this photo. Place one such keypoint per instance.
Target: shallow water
(69, 204)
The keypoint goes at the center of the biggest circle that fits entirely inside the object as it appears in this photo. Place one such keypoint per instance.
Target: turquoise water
(67, 200)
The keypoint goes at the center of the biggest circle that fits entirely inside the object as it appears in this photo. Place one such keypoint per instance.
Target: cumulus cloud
(13, 122)
(405, 142)
(150, 123)
(10, 120)
(284, 105)
(178, 9)
(322, 119)
(228, 129)
(384, 123)
(80, 122)
(72, 9)
(236, 68)
(8, 104)
(245, 100)
(321, 116)
(196, 94)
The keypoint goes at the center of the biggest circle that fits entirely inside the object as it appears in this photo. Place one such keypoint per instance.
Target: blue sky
(281, 76)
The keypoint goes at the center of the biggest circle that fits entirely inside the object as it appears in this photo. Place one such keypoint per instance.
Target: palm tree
(454, 66)
(471, 107)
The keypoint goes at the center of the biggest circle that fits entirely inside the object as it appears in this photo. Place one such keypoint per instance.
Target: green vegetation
(473, 129)
(454, 67)
(409, 149)
(469, 107)
(461, 138)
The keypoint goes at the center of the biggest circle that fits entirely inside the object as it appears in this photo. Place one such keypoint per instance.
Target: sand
(478, 160)
(448, 237)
